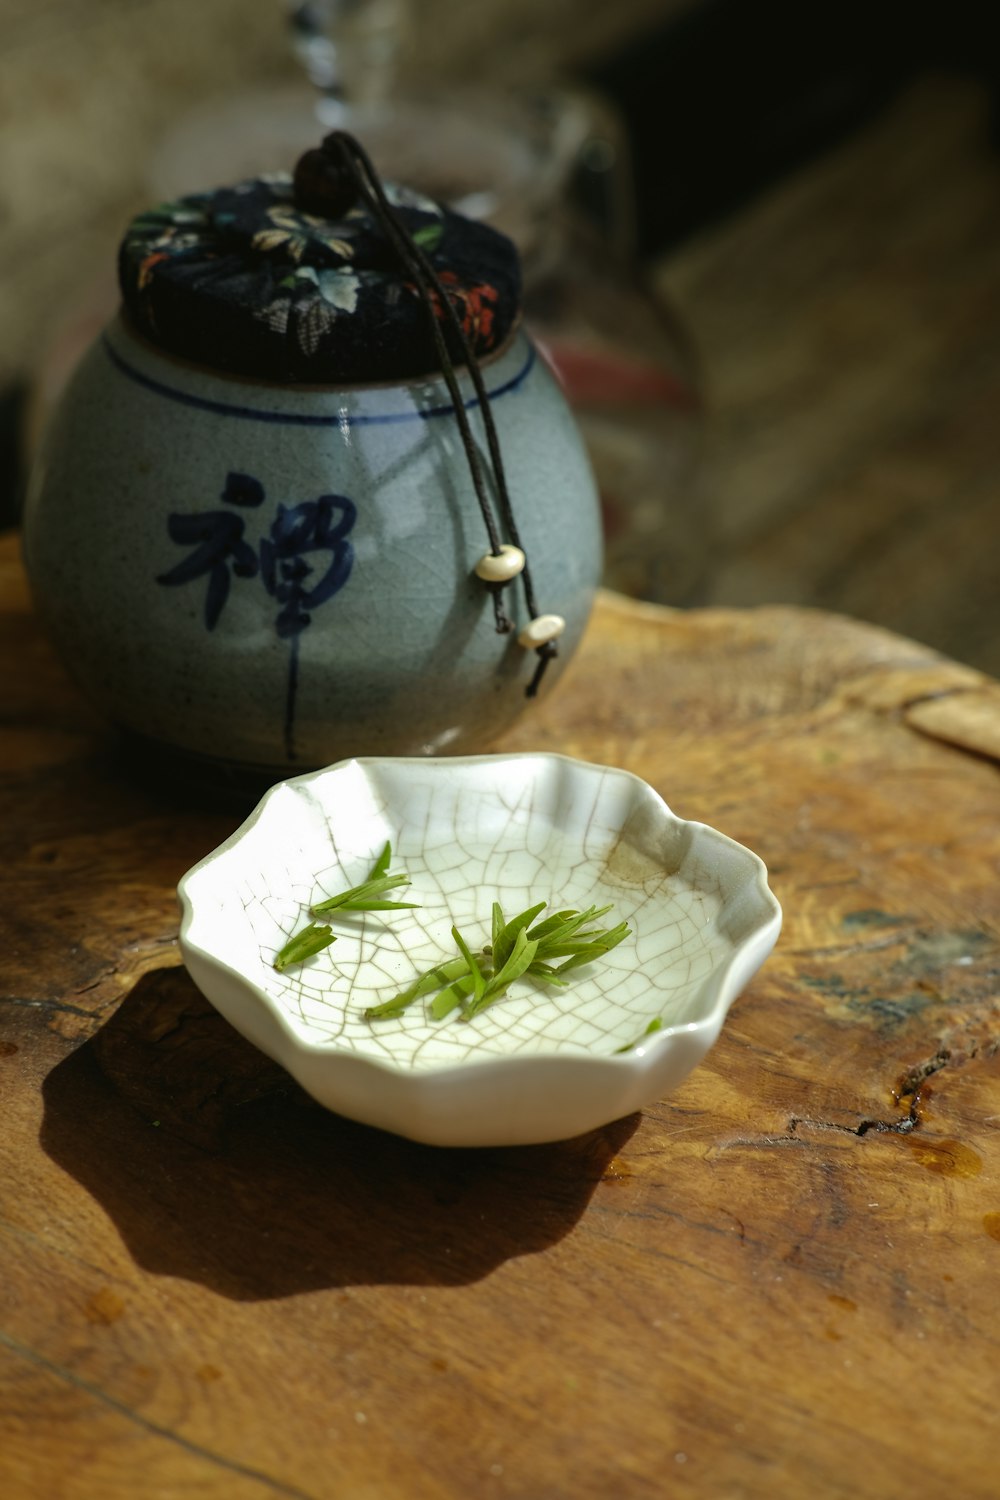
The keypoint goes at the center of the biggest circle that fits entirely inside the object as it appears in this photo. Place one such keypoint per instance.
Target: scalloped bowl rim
(719, 988)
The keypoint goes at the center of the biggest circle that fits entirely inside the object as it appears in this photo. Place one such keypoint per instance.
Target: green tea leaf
(569, 926)
(478, 982)
(424, 984)
(655, 1025)
(362, 897)
(543, 929)
(311, 940)
(499, 923)
(522, 954)
(546, 973)
(363, 904)
(503, 946)
(450, 999)
(473, 982)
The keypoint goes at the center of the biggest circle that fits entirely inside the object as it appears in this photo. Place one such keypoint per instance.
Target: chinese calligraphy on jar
(302, 561)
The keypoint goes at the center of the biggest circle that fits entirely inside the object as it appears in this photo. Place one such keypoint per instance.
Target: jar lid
(244, 280)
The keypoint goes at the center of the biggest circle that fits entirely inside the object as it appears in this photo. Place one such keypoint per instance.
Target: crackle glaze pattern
(519, 829)
(278, 577)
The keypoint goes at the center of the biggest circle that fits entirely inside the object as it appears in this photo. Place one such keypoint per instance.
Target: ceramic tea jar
(253, 530)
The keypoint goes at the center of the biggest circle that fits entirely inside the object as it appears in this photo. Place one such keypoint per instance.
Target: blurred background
(761, 243)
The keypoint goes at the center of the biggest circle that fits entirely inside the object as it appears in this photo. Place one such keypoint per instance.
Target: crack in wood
(909, 1092)
(909, 1082)
(880, 1127)
(61, 1007)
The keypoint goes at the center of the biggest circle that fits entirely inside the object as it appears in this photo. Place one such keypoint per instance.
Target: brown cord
(328, 181)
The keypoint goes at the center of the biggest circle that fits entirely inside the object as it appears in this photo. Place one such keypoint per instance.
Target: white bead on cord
(540, 630)
(502, 566)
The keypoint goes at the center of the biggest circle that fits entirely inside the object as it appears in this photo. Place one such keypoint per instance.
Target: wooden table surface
(781, 1281)
(847, 324)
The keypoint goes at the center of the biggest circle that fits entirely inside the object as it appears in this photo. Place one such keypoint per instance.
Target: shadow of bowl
(216, 1168)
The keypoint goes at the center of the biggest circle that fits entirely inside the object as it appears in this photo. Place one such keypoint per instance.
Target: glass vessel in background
(550, 168)
(350, 48)
(626, 367)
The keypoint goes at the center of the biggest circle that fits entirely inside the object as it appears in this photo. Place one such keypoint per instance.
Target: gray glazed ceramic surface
(278, 578)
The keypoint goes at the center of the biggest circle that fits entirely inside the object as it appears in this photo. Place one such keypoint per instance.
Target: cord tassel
(328, 180)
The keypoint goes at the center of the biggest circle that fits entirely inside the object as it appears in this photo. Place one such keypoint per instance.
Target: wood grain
(848, 326)
(779, 1281)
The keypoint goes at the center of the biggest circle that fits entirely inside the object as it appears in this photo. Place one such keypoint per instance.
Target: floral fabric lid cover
(243, 280)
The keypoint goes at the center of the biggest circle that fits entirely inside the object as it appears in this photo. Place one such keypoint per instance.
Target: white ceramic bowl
(540, 1065)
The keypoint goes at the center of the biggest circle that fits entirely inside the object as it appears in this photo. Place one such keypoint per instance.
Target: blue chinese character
(300, 532)
(217, 537)
(304, 560)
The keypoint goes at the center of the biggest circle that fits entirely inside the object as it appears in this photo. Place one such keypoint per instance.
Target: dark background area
(724, 100)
